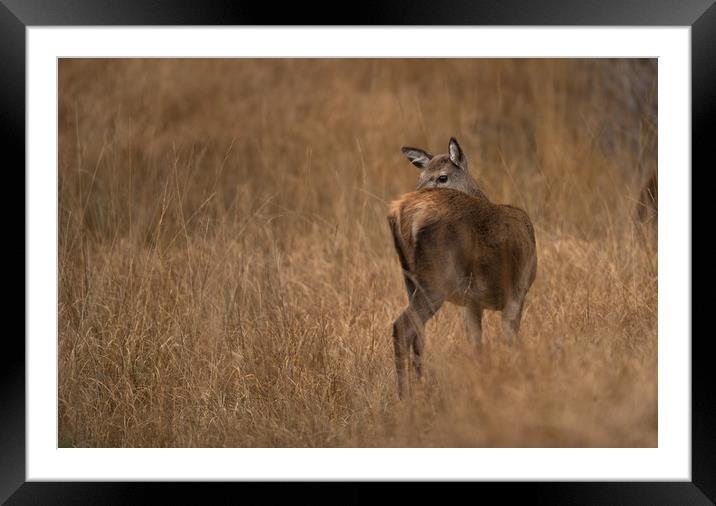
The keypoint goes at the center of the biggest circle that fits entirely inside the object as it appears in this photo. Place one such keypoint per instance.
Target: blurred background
(227, 277)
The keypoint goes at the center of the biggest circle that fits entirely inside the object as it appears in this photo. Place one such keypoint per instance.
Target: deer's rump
(463, 248)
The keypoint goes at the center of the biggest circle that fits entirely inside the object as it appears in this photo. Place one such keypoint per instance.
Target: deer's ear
(457, 156)
(417, 157)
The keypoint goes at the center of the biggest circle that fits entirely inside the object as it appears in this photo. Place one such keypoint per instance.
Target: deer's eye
(442, 179)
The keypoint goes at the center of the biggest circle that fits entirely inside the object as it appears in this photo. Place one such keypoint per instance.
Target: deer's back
(465, 247)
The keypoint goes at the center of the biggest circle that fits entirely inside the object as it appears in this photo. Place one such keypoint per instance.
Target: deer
(455, 245)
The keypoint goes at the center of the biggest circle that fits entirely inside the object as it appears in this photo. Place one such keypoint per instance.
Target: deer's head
(448, 170)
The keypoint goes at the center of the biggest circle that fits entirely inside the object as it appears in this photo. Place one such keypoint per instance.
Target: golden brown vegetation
(227, 277)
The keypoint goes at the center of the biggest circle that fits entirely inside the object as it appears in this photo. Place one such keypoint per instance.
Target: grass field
(227, 276)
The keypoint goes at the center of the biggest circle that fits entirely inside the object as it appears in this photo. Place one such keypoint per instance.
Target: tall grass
(227, 278)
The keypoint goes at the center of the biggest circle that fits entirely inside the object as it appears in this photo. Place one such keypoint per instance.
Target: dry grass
(227, 277)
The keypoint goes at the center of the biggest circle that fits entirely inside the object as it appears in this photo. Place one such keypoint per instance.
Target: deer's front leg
(473, 323)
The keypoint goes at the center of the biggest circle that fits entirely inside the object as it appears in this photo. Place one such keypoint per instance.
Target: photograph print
(357, 253)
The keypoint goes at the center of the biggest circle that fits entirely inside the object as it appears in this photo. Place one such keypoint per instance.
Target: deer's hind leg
(425, 304)
(511, 317)
(409, 333)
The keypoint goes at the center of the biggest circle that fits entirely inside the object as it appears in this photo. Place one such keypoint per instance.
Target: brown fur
(462, 249)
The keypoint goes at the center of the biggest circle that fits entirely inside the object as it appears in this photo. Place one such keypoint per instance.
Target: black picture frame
(699, 15)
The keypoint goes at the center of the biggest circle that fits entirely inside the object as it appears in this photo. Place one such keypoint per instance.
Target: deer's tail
(394, 223)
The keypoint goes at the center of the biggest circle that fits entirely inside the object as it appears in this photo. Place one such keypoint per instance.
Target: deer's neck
(474, 191)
